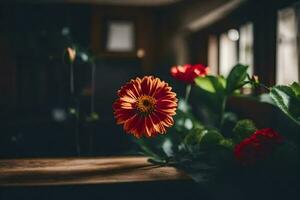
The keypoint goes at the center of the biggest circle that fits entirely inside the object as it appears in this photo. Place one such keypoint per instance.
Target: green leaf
(211, 84)
(287, 100)
(265, 98)
(205, 84)
(227, 143)
(236, 78)
(211, 138)
(243, 129)
(296, 88)
(194, 136)
(203, 138)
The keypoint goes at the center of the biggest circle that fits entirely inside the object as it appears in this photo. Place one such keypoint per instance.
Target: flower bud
(71, 54)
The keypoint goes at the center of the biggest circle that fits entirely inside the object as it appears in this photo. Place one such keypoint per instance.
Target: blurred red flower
(187, 73)
(145, 106)
(257, 147)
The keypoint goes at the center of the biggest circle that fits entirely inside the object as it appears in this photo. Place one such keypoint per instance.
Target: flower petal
(146, 124)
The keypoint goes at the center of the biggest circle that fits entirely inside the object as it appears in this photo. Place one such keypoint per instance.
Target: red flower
(257, 147)
(145, 106)
(187, 73)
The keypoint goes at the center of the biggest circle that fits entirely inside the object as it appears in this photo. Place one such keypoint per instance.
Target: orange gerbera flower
(145, 106)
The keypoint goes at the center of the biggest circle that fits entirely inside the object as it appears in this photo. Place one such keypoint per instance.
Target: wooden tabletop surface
(75, 171)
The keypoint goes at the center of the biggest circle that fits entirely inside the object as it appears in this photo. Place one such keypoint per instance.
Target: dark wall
(34, 76)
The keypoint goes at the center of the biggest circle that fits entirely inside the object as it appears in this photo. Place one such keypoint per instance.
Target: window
(228, 51)
(235, 46)
(213, 54)
(287, 69)
(120, 36)
(246, 46)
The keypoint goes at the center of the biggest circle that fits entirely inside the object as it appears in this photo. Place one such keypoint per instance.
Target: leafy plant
(189, 138)
(217, 89)
(236, 78)
(287, 99)
(243, 129)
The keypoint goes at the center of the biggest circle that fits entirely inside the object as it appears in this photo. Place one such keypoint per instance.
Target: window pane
(213, 54)
(287, 69)
(228, 54)
(120, 36)
(246, 46)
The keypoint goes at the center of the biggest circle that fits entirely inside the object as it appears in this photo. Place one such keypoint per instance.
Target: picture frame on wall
(119, 37)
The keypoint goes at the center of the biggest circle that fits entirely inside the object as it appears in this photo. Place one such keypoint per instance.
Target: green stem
(187, 92)
(71, 78)
(264, 86)
(76, 101)
(77, 133)
(93, 87)
(255, 83)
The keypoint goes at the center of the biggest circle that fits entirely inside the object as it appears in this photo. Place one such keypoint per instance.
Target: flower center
(145, 104)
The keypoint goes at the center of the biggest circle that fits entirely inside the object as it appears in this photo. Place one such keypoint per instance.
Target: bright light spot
(167, 147)
(72, 111)
(182, 105)
(140, 53)
(188, 124)
(233, 35)
(59, 114)
(65, 31)
(84, 57)
(181, 147)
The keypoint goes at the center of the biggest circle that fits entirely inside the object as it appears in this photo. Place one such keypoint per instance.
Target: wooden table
(81, 171)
